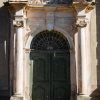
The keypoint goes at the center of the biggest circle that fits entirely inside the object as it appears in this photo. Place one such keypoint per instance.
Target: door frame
(72, 63)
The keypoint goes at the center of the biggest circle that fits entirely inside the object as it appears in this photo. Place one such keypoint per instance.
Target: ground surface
(4, 98)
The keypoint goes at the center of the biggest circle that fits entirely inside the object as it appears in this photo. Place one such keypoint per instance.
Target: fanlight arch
(50, 40)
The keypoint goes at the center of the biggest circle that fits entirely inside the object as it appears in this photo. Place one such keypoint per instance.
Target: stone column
(78, 62)
(19, 63)
(84, 66)
(85, 54)
(18, 95)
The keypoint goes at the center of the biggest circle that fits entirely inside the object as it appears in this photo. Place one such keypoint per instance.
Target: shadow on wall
(96, 93)
(4, 52)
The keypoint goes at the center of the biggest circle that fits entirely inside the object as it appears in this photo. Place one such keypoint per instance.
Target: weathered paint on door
(51, 75)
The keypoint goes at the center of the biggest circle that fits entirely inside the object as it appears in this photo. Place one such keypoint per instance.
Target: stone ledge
(15, 97)
(83, 97)
(87, 97)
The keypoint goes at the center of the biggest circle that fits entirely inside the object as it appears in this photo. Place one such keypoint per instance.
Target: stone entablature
(49, 2)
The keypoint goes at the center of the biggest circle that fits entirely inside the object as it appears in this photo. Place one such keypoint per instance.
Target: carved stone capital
(81, 22)
(18, 23)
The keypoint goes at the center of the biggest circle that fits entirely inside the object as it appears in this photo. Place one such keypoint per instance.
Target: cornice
(15, 5)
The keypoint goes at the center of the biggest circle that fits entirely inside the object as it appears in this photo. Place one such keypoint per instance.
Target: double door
(51, 75)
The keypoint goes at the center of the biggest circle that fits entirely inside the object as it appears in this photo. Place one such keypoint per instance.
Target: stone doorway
(51, 66)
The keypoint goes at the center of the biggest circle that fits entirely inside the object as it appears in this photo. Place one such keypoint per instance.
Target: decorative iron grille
(49, 40)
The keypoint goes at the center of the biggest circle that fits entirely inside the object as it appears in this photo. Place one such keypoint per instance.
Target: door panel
(40, 91)
(51, 76)
(60, 76)
(59, 69)
(39, 70)
(59, 93)
(41, 77)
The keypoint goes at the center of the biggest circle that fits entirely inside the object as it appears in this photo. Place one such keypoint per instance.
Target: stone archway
(51, 66)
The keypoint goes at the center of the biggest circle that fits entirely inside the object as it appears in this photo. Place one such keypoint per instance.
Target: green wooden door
(51, 75)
